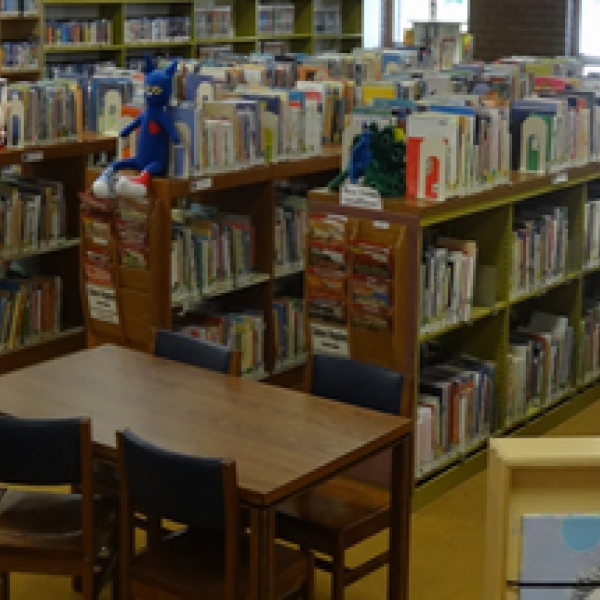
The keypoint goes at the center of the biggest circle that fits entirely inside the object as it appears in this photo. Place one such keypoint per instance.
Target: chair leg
(4, 586)
(87, 585)
(338, 574)
(308, 589)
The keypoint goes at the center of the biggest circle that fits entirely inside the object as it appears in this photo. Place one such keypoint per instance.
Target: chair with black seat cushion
(208, 556)
(344, 511)
(198, 353)
(45, 531)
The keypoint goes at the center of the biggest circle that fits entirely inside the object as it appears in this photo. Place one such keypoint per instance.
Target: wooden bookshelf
(65, 162)
(486, 218)
(246, 36)
(250, 192)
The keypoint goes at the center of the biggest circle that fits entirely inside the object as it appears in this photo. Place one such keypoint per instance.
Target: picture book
(562, 551)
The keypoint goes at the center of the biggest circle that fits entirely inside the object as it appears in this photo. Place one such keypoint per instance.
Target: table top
(282, 441)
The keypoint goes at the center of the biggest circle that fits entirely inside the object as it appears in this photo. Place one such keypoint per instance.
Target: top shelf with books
(184, 27)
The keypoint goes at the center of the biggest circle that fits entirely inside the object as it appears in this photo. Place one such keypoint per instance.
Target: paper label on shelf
(329, 340)
(359, 196)
(561, 178)
(102, 302)
(198, 185)
(28, 157)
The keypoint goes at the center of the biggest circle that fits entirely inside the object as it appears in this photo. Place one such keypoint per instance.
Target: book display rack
(40, 299)
(500, 339)
(145, 298)
(88, 31)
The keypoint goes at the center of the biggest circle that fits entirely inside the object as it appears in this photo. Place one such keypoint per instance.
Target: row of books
(540, 364)
(290, 232)
(591, 233)
(87, 31)
(157, 29)
(327, 20)
(20, 55)
(214, 21)
(289, 327)
(276, 18)
(242, 331)
(211, 252)
(15, 8)
(447, 283)
(30, 310)
(455, 408)
(32, 214)
(540, 247)
(589, 356)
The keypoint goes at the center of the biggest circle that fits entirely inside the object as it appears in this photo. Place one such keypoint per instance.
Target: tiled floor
(447, 545)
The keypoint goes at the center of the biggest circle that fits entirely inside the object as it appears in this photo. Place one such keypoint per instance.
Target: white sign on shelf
(197, 185)
(329, 340)
(560, 179)
(102, 302)
(359, 196)
(29, 157)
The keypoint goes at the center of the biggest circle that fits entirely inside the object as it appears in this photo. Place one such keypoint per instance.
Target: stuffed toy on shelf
(155, 133)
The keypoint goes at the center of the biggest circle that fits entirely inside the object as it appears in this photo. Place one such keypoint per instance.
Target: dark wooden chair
(52, 533)
(207, 559)
(342, 512)
(198, 353)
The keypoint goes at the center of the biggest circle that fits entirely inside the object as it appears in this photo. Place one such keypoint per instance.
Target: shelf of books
(222, 259)
(489, 304)
(122, 30)
(40, 307)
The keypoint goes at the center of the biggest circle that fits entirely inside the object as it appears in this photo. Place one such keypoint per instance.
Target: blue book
(185, 158)
(192, 82)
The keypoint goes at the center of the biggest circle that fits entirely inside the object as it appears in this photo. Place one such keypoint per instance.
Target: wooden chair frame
(81, 570)
(128, 523)
(235, 361)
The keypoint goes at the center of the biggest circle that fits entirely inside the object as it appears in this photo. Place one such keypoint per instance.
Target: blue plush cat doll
(155, 132)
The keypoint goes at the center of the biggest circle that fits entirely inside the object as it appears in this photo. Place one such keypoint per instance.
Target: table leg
(262, 553)
(401, 490)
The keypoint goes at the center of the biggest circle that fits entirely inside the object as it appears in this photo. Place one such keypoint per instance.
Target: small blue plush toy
(360, 157)
(156, 131)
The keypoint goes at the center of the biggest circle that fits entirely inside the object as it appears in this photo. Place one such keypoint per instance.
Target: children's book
(562, 551)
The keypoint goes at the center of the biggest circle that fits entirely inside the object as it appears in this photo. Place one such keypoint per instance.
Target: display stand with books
(40, 306)
(494, 317)
(253, 229)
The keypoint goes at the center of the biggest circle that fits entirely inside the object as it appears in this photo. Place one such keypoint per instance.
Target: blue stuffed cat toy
(155, 132)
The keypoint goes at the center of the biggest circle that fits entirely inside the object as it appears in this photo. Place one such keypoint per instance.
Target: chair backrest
(198, 492)
(42, 452)
(356, 383)
(198, 353)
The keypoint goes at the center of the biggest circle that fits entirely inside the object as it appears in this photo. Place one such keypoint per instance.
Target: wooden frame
(533, 476)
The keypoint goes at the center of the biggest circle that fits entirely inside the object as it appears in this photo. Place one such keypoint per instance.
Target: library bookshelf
(145, 299)
(244, 37)
(65, 162)
(487, 218)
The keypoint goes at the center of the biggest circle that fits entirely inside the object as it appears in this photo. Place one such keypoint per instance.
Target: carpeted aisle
(447, 545)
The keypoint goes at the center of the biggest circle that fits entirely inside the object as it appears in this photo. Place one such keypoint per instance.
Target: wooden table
(282, 441)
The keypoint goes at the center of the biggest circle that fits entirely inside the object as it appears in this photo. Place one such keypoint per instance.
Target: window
(589, 40)
(406, 12)
(372, 24)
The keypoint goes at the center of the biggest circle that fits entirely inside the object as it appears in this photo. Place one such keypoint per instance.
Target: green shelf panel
(284, 36)
(239, 39)
(573, 276)
(165, 44)
(86, 48)
(477, 314)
